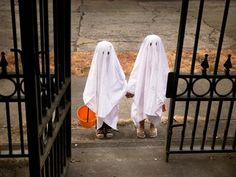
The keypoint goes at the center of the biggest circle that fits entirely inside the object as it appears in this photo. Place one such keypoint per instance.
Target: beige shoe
(153, 131)
(140, 133)
(99, 134)
(140, 130)
(109, 133)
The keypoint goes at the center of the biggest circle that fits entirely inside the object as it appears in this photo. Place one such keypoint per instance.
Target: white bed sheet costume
(148, 81)
(105, 86)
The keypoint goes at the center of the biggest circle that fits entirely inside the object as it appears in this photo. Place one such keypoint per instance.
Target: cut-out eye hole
(150, 44)
(156, 43)
(108, 53)
(103, 52)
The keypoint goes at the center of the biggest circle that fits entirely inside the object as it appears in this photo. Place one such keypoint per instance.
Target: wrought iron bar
(56, 27)
(217, 124)
(9, 127)
(184, 125)
(47, 54)
(195, 124)
(204, 99)
(202, 152)
(234, 143)
(227, 124)
(64, 143)
(197, 33)
(57, 157)
(29, 41)
(68, 38)
(227, 66)
(51, 155)
(221, 38)
(205, 127)
(42, 42)
(61, 36)
(47, 167)
(183, 18)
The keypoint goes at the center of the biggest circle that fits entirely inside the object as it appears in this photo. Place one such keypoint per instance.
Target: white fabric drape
(105, 85)
(148, 80)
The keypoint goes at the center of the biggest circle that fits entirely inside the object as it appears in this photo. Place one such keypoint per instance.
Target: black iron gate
(48, 98)
(41, 85)
(206, 99)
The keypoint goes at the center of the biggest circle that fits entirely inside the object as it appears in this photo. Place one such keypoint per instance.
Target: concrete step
(139, 159)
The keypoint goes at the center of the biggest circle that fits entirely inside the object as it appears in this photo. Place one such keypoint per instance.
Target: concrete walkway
(145, 159)
(127, 156)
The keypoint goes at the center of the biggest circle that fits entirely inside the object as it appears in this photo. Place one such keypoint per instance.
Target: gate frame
(43, 161)
(172, 86)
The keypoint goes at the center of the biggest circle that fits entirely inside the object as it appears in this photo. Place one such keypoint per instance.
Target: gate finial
(228, 65)
(3, 64)
(205, 64)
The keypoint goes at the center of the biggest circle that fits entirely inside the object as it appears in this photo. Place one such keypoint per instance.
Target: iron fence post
(29, 41)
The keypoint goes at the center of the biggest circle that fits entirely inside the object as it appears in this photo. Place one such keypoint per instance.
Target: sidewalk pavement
(144, 158)
(126, 156)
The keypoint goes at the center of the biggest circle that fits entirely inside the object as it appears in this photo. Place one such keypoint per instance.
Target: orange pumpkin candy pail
(86, 117)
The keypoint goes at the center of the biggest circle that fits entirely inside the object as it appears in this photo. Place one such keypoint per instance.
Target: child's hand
(163, 108)
(129, 95)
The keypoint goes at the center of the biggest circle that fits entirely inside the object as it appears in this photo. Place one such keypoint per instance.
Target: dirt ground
(81, 61)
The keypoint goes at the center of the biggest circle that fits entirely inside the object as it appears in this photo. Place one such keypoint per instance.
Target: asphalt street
(126, 23)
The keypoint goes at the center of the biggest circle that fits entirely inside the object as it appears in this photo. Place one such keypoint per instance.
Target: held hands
(129, 95)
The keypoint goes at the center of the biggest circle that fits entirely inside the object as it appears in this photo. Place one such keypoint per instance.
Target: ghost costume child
(105, 85)
(148, 81)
